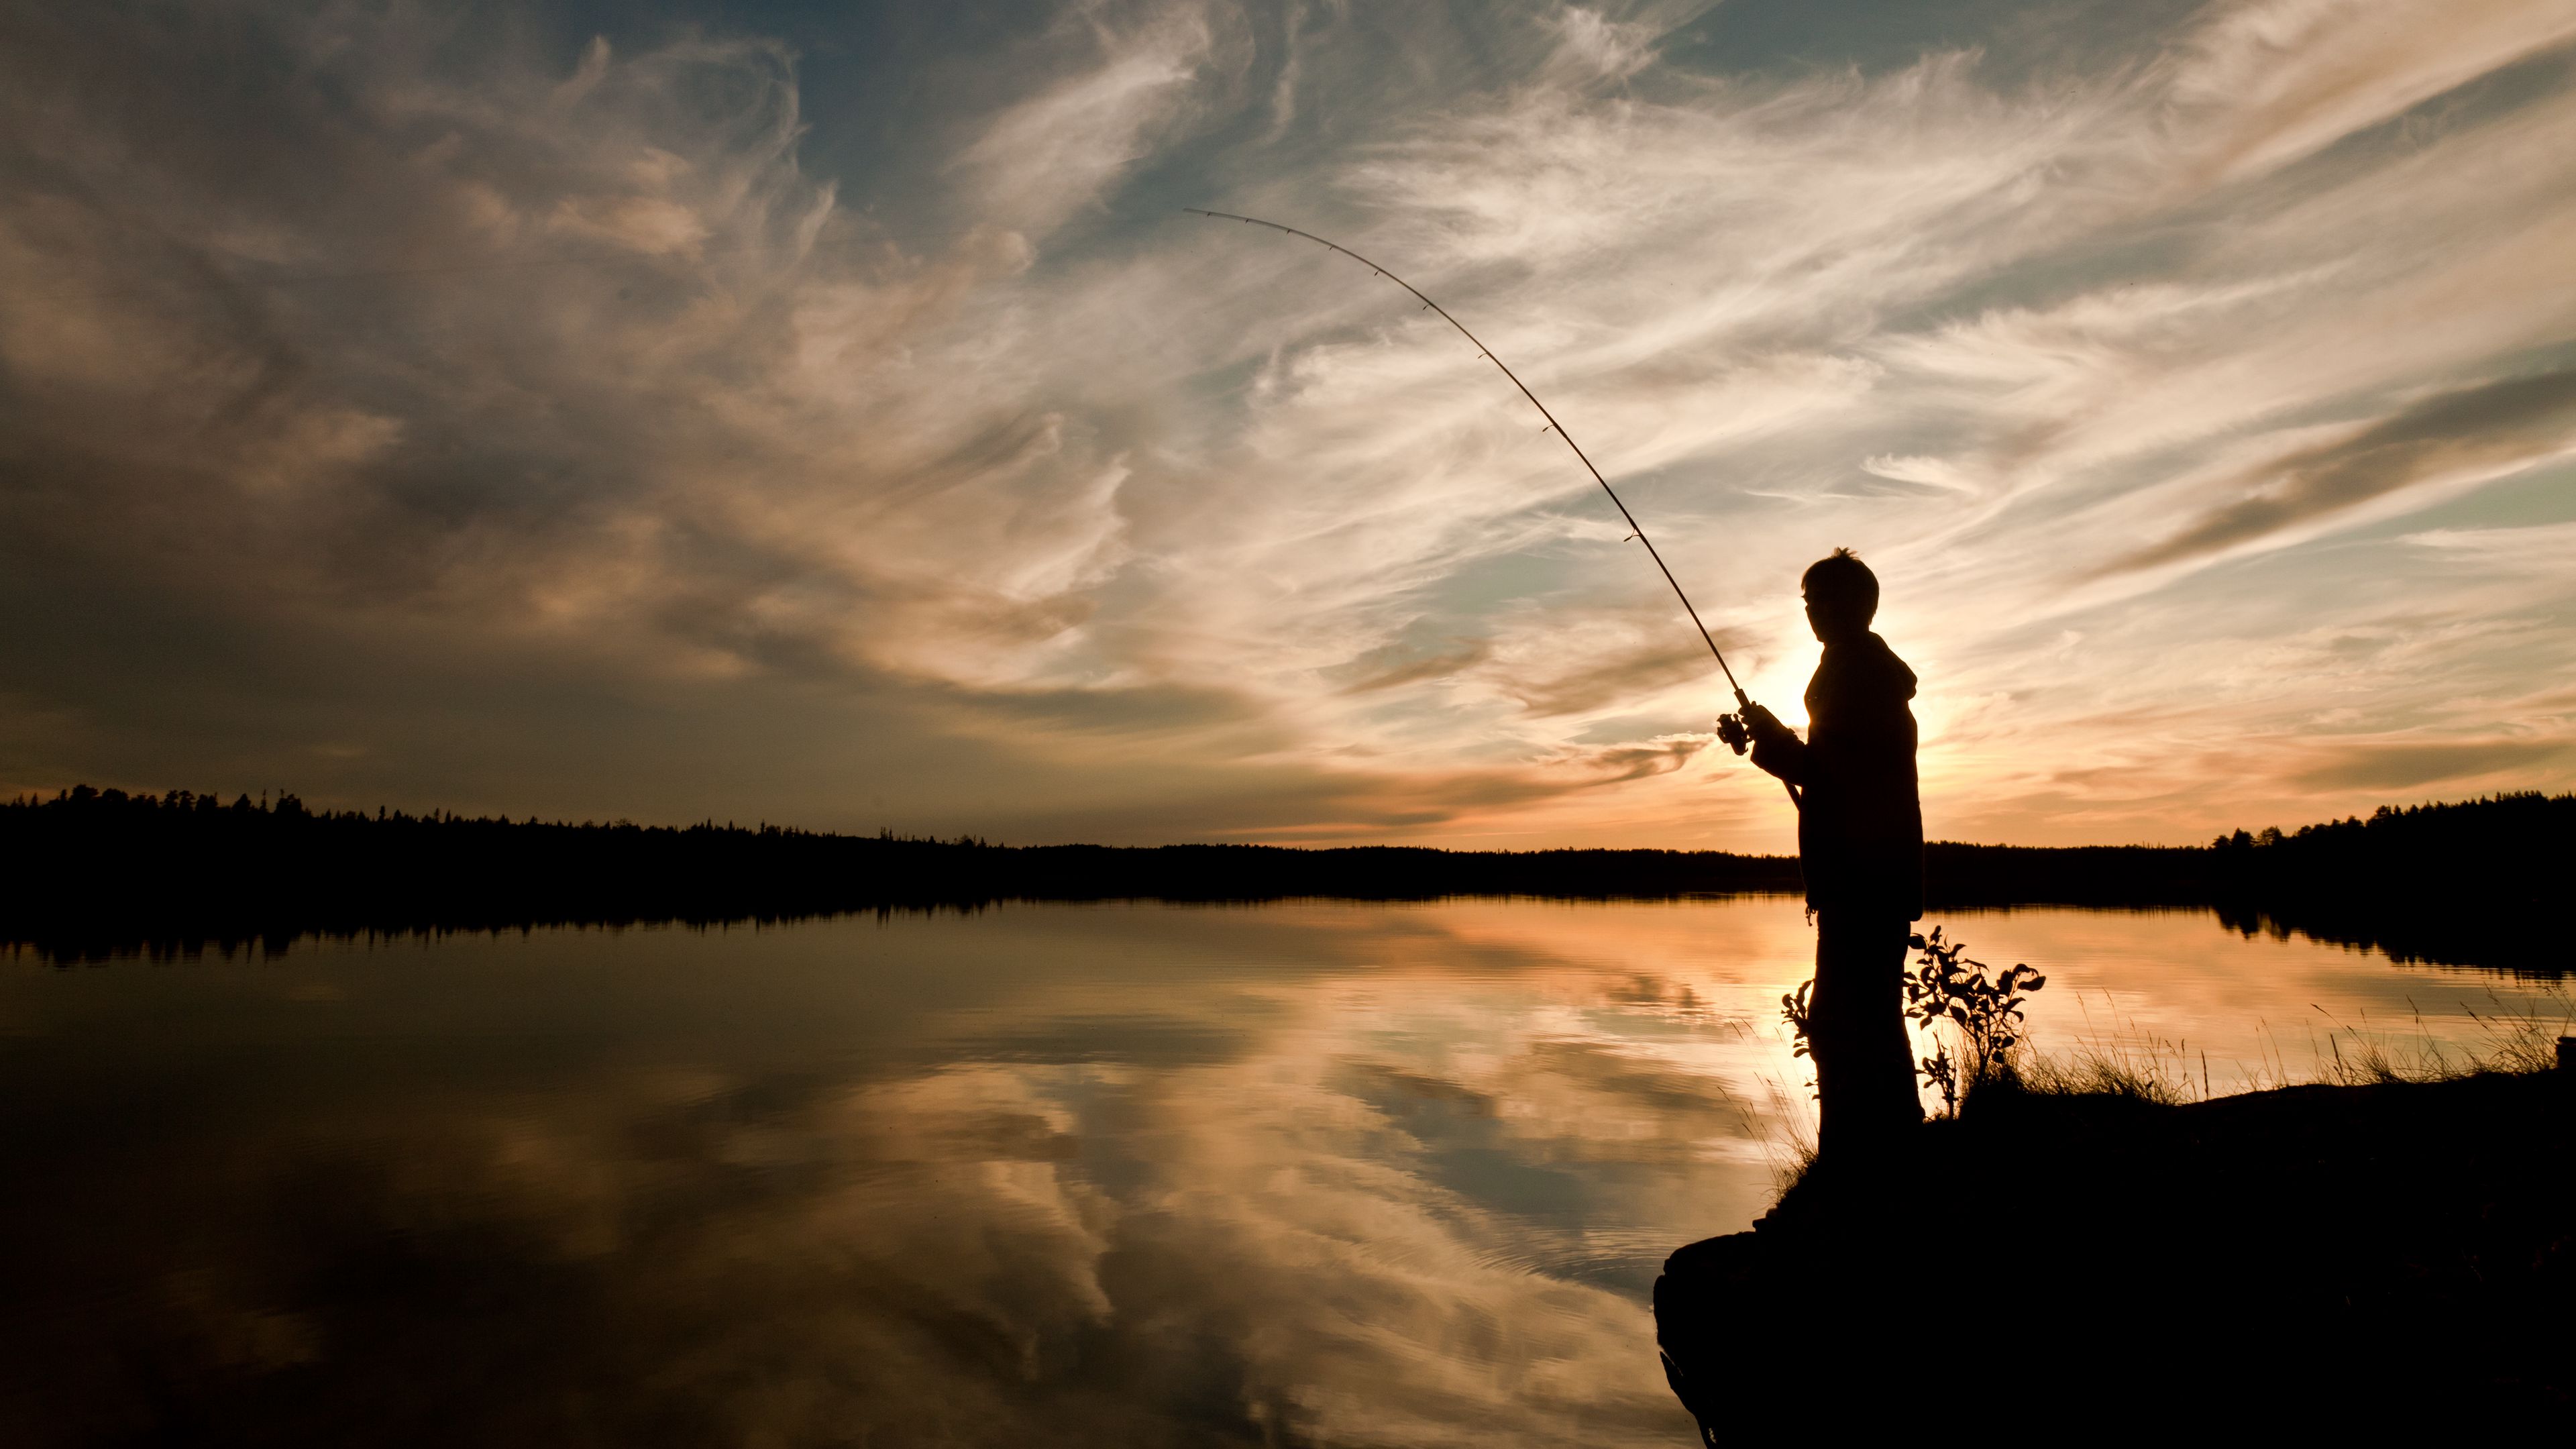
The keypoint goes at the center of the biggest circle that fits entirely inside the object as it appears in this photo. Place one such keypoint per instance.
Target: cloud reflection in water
(1114, 1174)
(1295, 1175)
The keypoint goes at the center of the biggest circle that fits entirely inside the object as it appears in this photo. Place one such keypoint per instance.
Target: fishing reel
(1732, 729)
(1737, 730)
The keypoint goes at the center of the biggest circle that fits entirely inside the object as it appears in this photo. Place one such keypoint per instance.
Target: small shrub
(1800, 1014)
(1983, 1009)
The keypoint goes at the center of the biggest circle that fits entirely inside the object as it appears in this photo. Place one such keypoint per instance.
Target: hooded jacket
(1860, 830)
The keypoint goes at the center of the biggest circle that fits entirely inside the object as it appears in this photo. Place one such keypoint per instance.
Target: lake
(1127, 1174)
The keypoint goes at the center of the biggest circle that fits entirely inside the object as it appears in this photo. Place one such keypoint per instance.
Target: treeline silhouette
(96, 872)
(2470, 883)
(91, 873)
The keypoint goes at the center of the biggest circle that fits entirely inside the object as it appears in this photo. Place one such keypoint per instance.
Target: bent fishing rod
(1730, 728)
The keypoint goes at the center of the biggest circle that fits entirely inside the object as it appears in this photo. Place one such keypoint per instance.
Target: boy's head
(1842, 596)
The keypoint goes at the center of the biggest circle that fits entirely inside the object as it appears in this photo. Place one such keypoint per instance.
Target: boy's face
(1834, 618)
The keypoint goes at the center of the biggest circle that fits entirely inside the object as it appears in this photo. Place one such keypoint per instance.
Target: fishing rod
(1730, 728)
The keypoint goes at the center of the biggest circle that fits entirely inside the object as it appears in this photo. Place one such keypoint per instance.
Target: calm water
(1087, 1174)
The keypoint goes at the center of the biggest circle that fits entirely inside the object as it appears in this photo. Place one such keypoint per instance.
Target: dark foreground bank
(2308, 1260)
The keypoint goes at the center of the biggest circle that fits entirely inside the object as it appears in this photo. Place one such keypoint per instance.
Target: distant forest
(93, 873)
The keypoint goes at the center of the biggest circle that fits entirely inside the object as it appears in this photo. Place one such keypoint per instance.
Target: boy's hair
(1842, 575)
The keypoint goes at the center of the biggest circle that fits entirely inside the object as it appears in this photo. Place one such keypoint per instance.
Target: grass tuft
(2514, 1042)
(2154, 1071)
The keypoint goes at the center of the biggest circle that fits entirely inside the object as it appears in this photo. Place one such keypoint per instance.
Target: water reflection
(1116, 1174)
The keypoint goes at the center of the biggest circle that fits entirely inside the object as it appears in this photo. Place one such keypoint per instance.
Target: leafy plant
(1984, 1009)
(1796, 1010)
(1942, 1072)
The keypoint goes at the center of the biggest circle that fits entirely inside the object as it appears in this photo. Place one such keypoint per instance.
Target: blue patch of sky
(2170, 244)
(2531, 497)
(1625, 728)
(1875, 36)
(876, 78)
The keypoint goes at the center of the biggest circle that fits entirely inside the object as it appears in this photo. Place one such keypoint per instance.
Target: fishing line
(1733, 736)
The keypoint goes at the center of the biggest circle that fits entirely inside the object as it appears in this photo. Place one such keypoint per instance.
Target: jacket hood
(1866, 666)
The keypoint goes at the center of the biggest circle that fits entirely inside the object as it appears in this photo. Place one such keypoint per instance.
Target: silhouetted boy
(1860, 845)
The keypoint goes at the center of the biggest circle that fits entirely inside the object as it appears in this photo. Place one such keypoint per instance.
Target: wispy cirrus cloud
(1042, 158)
(2480, 432)
(565, 389)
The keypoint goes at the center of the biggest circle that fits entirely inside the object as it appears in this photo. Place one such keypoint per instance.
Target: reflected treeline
(93, 873)
(2463, 884)
(2457, 884)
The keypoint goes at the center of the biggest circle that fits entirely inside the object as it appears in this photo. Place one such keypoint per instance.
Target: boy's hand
(1766, 728)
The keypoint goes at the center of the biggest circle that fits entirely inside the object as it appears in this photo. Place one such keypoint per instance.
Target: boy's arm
(1776, 747)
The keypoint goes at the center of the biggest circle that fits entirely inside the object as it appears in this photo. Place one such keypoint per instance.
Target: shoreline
(100, 873)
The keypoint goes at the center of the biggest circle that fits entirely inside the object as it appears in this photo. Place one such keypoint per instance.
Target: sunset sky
(823, 413)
